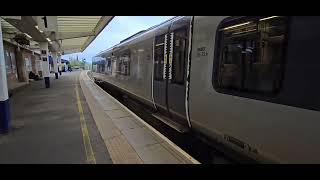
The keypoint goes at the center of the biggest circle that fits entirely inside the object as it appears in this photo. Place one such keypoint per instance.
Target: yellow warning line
(173, 145)
(85, 134)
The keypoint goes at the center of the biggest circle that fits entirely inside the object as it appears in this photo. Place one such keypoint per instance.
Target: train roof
(140, 33)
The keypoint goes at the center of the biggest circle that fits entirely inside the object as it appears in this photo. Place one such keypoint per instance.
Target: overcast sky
(118, 29)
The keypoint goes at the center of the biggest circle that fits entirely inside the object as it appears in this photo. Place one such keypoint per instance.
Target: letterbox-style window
(250, 54)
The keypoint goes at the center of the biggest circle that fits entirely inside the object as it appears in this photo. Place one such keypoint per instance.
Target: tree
(77, 62)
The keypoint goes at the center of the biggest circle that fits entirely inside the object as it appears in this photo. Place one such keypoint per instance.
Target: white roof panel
(74, 33)
(77, 32)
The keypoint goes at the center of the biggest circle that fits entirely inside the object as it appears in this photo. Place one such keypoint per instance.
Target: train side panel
(272, 131)
(138, 80)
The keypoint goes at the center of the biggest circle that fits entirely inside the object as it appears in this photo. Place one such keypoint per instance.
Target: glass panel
(125, 63)
(251, 55)
(179, 55)
(158, 58)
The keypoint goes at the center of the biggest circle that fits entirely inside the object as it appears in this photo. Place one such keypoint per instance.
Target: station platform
(46, 126)
(77, 122)
(128, 138)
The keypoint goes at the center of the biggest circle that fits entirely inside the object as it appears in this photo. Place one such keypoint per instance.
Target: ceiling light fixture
(237, 25)
(271, 17)
(37, 27)
(27, 35)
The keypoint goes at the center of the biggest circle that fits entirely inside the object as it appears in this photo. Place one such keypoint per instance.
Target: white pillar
(55, 65)
(4, 99)
(45, 62)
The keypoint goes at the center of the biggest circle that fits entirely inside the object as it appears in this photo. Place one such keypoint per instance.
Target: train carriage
(246, 82)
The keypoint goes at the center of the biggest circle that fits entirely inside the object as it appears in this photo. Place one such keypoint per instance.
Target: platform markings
(85, 134)
(185, 154)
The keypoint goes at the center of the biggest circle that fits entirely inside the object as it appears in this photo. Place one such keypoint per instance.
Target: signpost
(47, 23)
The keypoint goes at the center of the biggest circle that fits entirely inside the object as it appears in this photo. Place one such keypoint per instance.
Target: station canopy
(65, 34)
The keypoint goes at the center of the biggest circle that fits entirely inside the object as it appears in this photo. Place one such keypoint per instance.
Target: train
(246, 83)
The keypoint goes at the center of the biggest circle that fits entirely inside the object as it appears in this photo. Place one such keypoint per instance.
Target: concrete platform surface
(46, 125)
(128, 138)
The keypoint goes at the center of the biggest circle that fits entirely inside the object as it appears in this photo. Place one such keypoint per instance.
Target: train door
(159, 75)
(177, 69)
(170, 63)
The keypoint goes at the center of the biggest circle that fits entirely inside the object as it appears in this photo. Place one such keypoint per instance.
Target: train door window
(94, 68)
(103, 68)
(159, 57)
(179, 55)
(250, 54)
(125, 63)
(108, 66)
(119, 65)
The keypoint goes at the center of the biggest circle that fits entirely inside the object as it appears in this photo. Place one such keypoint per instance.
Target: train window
(124, 63)
(250, 54)
(108, 66)
(179, 55)
(119, 65)
(159, 57)
(102, 67)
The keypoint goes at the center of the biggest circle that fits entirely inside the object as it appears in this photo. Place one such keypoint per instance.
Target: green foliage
(80, 63)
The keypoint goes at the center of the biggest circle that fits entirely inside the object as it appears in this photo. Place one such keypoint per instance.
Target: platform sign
(47, 23)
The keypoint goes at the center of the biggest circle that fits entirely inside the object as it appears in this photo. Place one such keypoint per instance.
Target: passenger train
(247, 83)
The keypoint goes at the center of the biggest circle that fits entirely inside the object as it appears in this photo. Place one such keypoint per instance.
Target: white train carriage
(246, 83)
